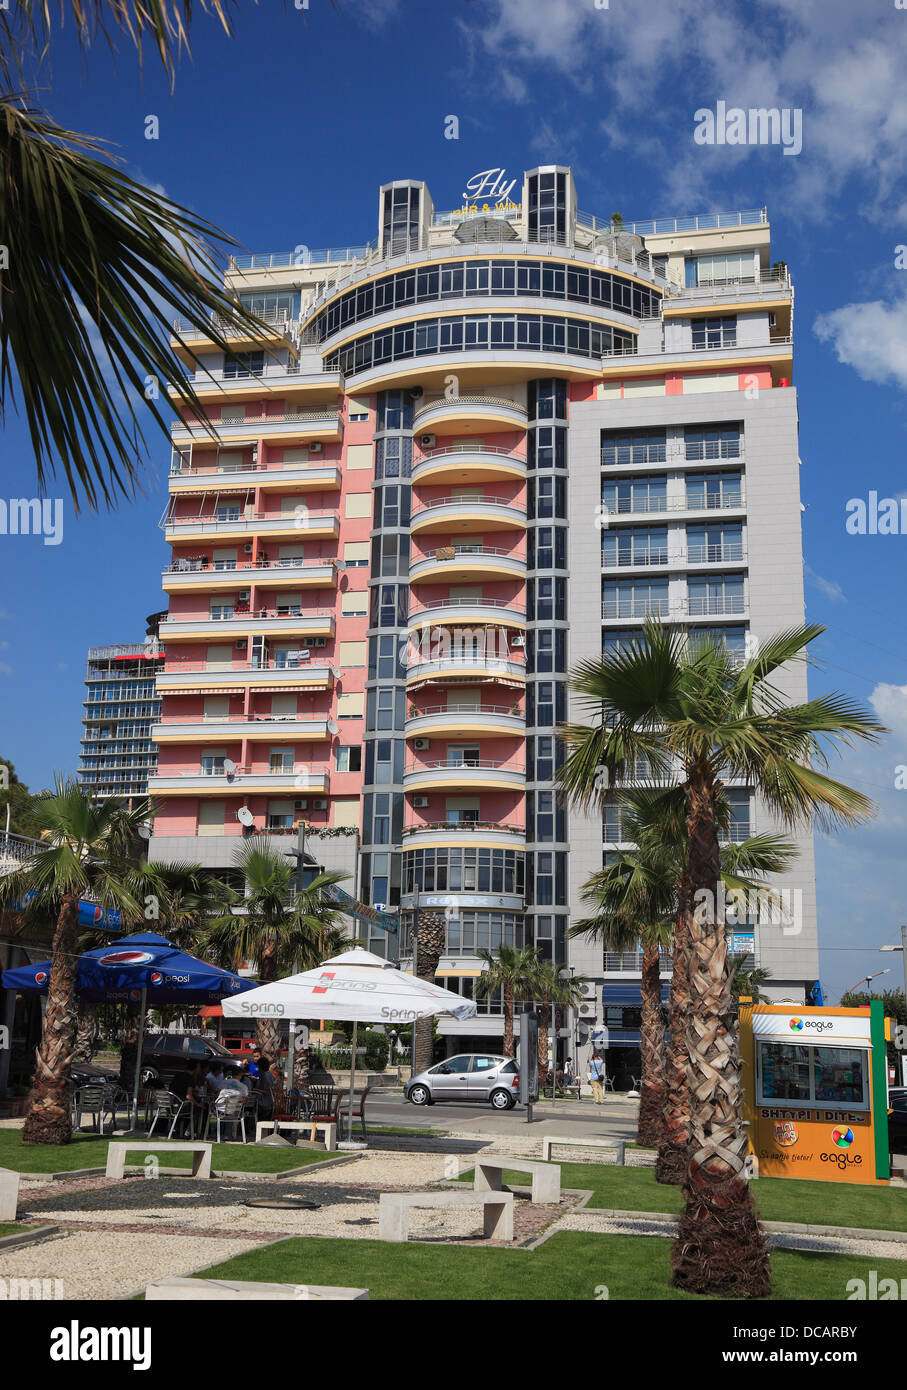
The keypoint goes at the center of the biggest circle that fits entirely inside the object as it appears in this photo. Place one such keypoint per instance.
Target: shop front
(815, 1091)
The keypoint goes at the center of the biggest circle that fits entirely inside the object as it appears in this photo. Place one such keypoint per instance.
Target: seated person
(190, 1086)
(234, 1083)
(215, 1077)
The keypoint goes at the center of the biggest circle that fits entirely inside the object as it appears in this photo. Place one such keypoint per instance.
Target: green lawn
(87, 1151)
(14, 1228)
(571, 1265)
(778, 1199)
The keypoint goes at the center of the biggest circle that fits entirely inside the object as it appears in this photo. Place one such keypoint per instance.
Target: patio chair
(89, 1100)
(230, 1108)
(116, 1098)
(324, 1106)
(161, 1105)
(343, 1108)
(608, 1082)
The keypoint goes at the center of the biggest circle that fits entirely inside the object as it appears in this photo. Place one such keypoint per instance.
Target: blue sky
(282, 134)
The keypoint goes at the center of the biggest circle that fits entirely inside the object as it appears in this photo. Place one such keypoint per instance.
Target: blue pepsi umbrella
(118, 973)
(143, 969)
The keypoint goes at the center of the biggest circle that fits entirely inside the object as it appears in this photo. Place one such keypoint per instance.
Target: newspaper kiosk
(815, 1091)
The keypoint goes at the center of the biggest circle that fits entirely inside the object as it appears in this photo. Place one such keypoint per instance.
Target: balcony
(623, 609)
(192, 480)
(652, 559)
(191, 574)
(479, 834)
(459, 666)
(448, 775)
(291, 426)
(234, 622)
(465, 463)
(726, 553)
(193, 728)
(237, 676)
(275, 330)
(467, 563)
(469, 612)
(457, 719)
(293, 377)
(662, 505)
(458, 513)
(244, 781)
(469, 412)
(323, 525)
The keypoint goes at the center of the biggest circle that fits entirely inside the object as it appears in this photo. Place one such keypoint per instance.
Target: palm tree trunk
(49, 1119)
(267, 1030)
(508, 1021)
(432, 939)
(674, 1149)
(85, 1033)
(650, 1124)
(720, 1248)
(544, 1021)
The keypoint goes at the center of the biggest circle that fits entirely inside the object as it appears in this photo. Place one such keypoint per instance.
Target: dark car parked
(165, 1054)
(897, 1121)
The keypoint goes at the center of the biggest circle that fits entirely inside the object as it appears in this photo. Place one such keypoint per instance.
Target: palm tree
(431, 940)
(511, 969)
(553, 990)
(278, 928)
(747, 981)
(663, 699)
(97, 258)
(76, 863)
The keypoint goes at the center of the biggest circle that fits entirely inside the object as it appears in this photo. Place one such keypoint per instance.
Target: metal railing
(193, 471)
(289, 417)
(239, 719)
(293, 519)
(495, 402)
(718, 554)
(647, 561)
(460, 708)
(457, 825)
(177, 665)
(437, 603)
(468, 449)
(733, 605)
(665, 226)
(622, 506)
(193, 566)
(470, 500)
(244, 770)
(259, 614)
(452, 764)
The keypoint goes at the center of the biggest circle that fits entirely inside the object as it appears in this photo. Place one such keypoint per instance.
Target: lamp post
(412, 1055)
(868, 979)
(903, 949)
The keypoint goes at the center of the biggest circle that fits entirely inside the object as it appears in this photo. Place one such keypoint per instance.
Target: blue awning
(628, 992)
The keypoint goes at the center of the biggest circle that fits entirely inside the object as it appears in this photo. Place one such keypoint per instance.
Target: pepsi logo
(126, 958)
(156, 977)
(40, 977)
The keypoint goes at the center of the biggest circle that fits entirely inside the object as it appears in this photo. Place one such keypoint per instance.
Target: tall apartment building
(121, 704)
(479, 448)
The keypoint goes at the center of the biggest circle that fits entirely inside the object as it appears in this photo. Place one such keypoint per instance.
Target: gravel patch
(100, 1265)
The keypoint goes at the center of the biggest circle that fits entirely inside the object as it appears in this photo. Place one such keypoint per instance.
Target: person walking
(596, 1078)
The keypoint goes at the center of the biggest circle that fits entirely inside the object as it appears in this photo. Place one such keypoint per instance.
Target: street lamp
(868, 979)
(903, 949)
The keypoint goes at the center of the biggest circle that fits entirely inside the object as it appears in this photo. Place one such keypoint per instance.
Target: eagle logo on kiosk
(796, 1025)
(842, 1138)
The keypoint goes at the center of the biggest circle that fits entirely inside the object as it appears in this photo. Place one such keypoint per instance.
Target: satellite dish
(333, 728)
(229, 767)
(144, 832)
(335, 673)
(244, 816)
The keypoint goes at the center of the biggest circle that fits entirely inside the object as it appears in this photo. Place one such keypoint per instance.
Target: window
(706, 544)
(642, 446)
(723, 443)
(348, 758)
(721, 593)
(710, 491)
(806, 1075)
(715, 333)
(739, 269)
(244, 364)
(635, 598)
(738, 800)
(642, 546)
(635, 495)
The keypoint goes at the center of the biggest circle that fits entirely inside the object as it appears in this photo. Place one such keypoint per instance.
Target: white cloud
(870, 337)
(828, 586)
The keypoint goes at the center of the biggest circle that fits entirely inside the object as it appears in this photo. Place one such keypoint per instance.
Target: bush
(376, 1050)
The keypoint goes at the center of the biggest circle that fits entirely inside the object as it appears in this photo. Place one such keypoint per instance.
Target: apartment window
(227, 513)
(734, 269)
(635, 495)
(546, 650)
(548, 207)
(546, 548)
(271, 307)
(546, 497)
(636, 546)
(715, 333)
(730, 639)
(720, 593)
(711, 491)
(635, 598)
(280, 760)
(738, 800)
(716, 443)
(348, 758)
(244, 364)
(393, 457)
(545, 704)
(706, 544)
(640, 446)
(546, 600)
(355, 604)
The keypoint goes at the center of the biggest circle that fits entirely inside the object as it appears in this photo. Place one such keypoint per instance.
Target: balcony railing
(635, 607)
(452, 765)
(627, 506)
(507, 605)
(694, 607)
(211, 523)
(460, 708)
(466, 825)
(177, 666)
(494, 402)
(202, 719)
(473, 499)
(200, 566)
(290, 417)
(650, 560)
(176, 620)
(699, 606)
(182, 471)
(715, 554)
(457, 449)
(665, 226)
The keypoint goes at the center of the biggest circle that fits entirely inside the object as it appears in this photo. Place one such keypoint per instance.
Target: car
(243, 1045)
(165, 1054)
(470, 1076)
(897, 1121)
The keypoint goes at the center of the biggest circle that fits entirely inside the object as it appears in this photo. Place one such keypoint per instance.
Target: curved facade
(489, 445)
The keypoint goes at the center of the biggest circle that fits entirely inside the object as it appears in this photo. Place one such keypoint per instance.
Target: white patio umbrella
(354, 987)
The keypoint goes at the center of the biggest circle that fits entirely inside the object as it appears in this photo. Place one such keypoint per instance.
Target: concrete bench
(201, 1155)
(394, 1209)
(275, 1126)
(549, 1140)
(227, 1290)
(9, 1194)
(546, 1177)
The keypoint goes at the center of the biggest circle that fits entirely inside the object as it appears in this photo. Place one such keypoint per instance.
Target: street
(616, 1119)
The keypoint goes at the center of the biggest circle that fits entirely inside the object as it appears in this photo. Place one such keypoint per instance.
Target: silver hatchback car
(470, 1076)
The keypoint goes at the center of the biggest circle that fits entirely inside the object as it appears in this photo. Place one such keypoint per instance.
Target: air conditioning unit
(421, 801)
(320, 805)
(318, 641)
(244, 595)
(240, 644)
(588, 989)
(420, 743)
(247, 548)
(300, 805)
(586, 1010)
(316, 446)
(518, 641)
(427, 441)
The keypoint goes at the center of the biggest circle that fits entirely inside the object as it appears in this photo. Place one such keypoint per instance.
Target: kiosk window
(785, 1072)
(840, 1074)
